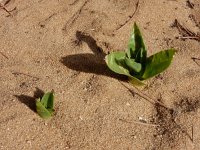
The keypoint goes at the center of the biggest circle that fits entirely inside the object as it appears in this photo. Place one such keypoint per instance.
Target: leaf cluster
(135, 64)
(45, 105)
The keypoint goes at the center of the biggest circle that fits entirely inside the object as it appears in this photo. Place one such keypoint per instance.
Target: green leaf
(48, 100)
(41, 110)
(132, 65)
(115, 62)
(157, 63)
(136, 47)
(45, 106)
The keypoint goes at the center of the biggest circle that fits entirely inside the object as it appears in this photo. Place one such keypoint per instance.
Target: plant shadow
(88, 62)
(30, 100)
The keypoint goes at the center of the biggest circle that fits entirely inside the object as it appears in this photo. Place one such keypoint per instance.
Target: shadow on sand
(89, 63)
(29, 100)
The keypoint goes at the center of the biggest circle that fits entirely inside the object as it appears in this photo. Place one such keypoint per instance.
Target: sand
(61, 44)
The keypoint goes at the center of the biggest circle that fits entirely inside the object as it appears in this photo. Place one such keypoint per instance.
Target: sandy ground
(61, 44)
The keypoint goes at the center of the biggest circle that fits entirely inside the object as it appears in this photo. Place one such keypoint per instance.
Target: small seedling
(45, 105)
(135, 64)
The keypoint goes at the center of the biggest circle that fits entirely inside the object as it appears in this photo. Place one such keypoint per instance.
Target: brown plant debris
(129, 17)
(138, 92)
(25, 74)
(3, 55)
(2, 6)
(196, 60)
(185, 33)
(75, 16)
(195, 20)
(139, 123)
(186, 106)
(189, 4)
(169, 132)
(74, 2)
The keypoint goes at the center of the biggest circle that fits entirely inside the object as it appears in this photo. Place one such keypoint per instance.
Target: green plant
(135, 64)
(45, 106)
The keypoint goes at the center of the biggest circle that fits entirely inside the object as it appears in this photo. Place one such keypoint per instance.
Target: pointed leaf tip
(158, 62)
(136, 48)
(45, 105)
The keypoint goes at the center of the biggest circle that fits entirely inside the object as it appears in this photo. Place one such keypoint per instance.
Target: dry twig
(185, 33)
(75, 16)
(3, 55)
(139, 122)
(5, 9)
(145, 96)
(190, 4)
(74, 2)
(196, 60)
(20, 73)
(129, 17)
